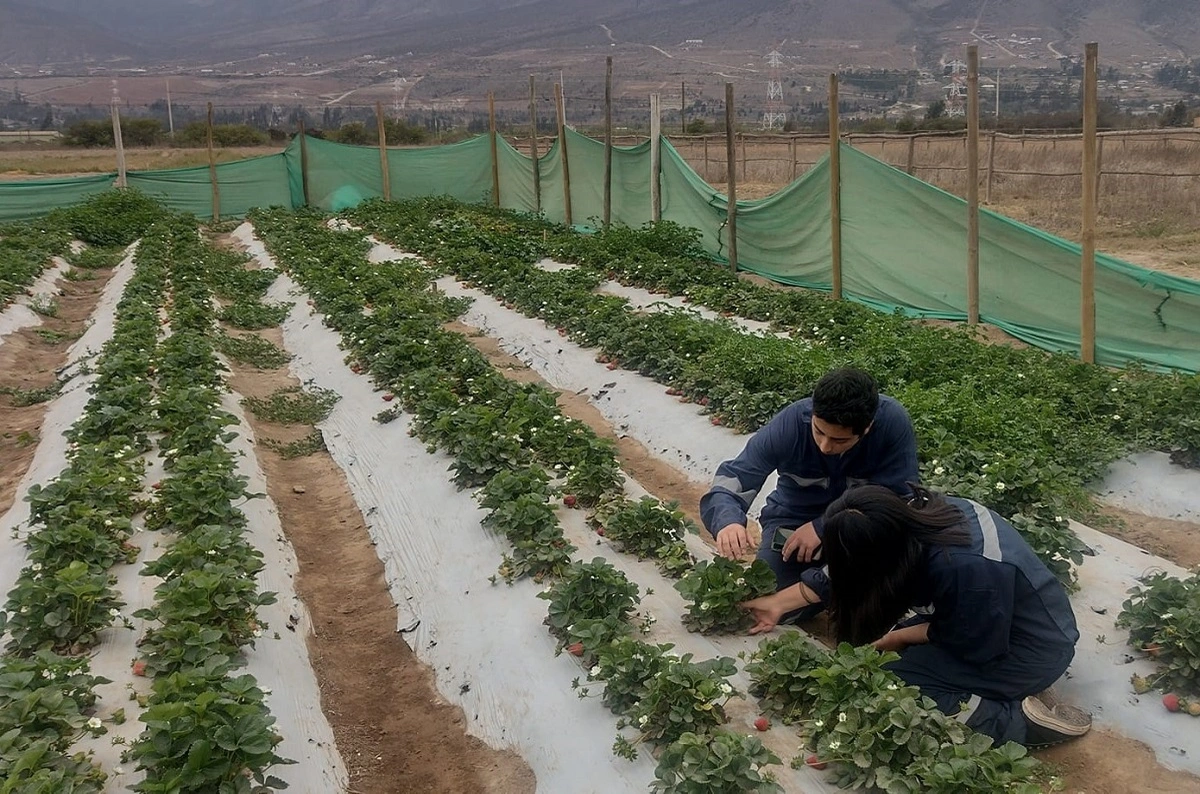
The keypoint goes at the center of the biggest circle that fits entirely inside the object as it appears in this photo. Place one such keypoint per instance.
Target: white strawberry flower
(94, 723)
(1000, 486)
(940, 470)
(115, 613)
(835, 744)
(726, 689)
(595, 671)
(842, 717)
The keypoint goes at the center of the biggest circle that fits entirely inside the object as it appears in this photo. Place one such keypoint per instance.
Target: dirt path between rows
(393, 729)
(28, 361)
(394, 732)
(1100, 763)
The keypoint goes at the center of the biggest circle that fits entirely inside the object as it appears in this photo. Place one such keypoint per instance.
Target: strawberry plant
(62, 610)
(649, 529)
(873, 729)
(716, 589)
(721, 761)
(624, 665)
(199, 493)
(588, 590)
(1162, 614)
(207, 733)
(685, 696)
(588, 637)
(596, 477)
(507, 485)
(64, 541)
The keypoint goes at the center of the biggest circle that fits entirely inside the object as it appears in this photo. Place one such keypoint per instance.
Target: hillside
(195, 30)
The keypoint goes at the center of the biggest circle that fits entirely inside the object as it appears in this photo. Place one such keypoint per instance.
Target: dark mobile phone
(781, 536)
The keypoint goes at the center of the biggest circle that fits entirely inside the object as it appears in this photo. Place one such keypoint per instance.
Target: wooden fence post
(495, 150)
(731, 179)
(1099, 167)
(122, 177)
(608, 141)
(835, 189)
(792, 157)
(1087, 324)
(385, 171)
(533, 145)
(562, 149)
(212, 169)
(910, 163)
(304, 160)
(973, 184)
(655, 159)
(707, 178)
(991, 167)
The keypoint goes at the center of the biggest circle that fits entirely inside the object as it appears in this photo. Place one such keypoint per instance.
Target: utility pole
(170, 112)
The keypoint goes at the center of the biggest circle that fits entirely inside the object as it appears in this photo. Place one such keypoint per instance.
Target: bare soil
(393, 729)
(27, 361)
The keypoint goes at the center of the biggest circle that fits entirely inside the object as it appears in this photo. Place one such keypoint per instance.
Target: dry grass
(29, 161)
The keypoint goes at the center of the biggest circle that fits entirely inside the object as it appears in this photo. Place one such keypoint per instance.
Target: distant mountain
(39, 31)
(31, 34)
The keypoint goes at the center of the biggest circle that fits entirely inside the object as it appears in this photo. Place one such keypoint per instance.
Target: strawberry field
(478, 378)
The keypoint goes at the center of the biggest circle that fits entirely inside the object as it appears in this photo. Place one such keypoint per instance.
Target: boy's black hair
(847, 397)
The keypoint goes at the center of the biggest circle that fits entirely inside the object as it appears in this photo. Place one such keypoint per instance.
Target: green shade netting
(903, 240)
(243, 184)
(23, 200)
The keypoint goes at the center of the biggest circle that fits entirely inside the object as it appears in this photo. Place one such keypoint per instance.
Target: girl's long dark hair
(874, 546)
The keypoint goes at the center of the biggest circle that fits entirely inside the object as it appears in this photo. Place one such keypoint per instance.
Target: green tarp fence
(903, 240)
(244, 185)
(25, 200)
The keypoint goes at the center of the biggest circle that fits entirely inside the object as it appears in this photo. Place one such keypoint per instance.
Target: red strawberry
(139, 667)
(716, 420)
(387, 398)
(575, 649)
(600, 531)
(702, 401)
(310, 303)
(1171, 701)
(814, 762)
(762, 723)
(612, 365)
(569, 500)
(156, 486)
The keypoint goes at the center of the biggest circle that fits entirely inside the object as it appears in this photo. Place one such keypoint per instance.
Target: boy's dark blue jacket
(809, 481)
